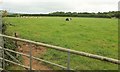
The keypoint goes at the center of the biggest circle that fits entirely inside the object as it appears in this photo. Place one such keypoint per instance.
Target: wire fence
(69, 51)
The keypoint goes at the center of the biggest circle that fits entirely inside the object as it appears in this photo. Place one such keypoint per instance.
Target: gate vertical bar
(30, 56)
(68, 61)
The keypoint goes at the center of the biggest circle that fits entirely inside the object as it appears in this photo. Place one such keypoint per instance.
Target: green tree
(4, 13)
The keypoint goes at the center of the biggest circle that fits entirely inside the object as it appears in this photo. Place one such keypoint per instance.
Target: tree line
(110, 14)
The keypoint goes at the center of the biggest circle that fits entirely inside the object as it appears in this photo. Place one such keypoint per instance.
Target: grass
(93, 35)
(15, 67)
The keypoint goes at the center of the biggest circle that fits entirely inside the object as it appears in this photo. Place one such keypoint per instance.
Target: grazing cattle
(68, 19)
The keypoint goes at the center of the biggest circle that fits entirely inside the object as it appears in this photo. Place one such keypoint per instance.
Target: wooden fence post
(16, 35)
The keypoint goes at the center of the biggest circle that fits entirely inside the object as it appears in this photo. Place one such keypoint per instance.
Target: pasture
(93, 35)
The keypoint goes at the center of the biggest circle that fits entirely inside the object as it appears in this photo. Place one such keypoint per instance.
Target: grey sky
(46, 6)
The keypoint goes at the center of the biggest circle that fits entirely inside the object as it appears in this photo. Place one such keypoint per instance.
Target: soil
(36, 51)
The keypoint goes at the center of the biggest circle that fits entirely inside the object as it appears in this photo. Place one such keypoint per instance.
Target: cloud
(46, 6)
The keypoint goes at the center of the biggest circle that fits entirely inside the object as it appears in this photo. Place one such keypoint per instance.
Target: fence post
(3, 56)
(30, 56)
(68, 61)
(16, 35)
(1, 39)
(2, 62)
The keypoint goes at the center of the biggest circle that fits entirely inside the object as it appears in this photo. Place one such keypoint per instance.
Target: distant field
(93, 35)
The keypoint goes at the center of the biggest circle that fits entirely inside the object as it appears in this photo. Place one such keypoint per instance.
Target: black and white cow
(68, 19)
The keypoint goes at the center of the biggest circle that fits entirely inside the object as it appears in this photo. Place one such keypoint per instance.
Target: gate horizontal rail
(16, 63)
(80, 53)
(1, 69)
(35, 58)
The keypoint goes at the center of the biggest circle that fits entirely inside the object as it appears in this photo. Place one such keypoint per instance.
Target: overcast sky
(46, 6)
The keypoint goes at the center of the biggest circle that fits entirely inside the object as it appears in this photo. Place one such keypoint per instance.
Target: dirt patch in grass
(36, 50)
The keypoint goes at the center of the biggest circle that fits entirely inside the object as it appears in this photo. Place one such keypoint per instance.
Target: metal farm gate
(69, 51)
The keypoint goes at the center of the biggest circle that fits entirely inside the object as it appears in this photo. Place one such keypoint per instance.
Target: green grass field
(93, 35)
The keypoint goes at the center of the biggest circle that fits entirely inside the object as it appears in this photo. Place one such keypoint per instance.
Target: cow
(68, 19)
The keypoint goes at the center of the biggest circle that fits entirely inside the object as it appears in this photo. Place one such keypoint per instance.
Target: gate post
(1, 40)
